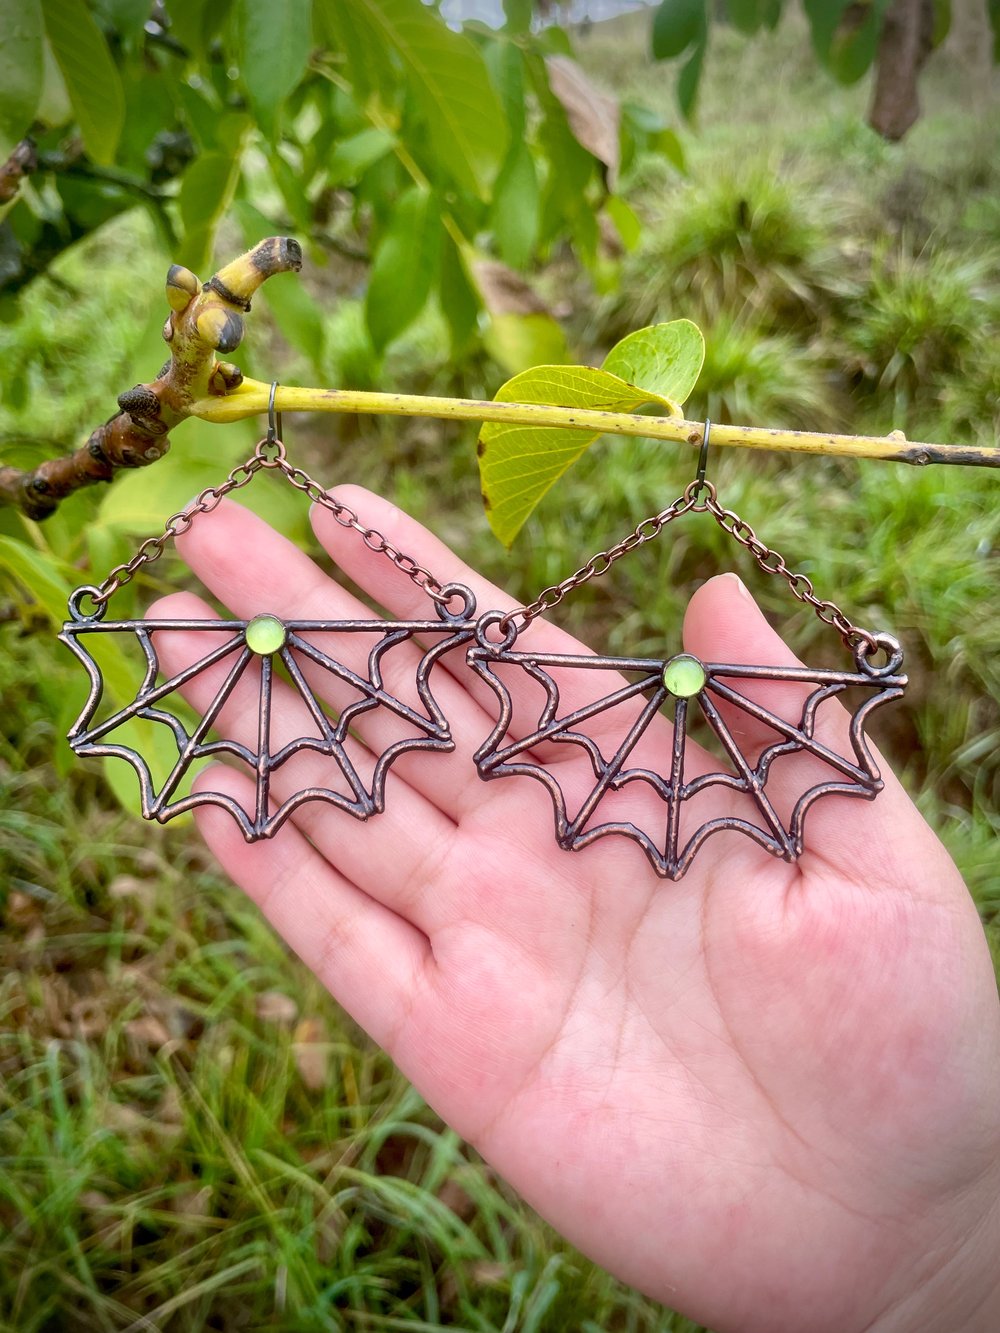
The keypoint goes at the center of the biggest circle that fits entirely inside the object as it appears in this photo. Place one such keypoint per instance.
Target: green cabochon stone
(684, 676)
(266, 634)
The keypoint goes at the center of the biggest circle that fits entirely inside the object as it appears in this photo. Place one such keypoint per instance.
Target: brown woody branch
(204, 319)
(22, 162)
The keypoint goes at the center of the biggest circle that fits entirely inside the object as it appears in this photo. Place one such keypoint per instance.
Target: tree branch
(22, 162)
(203, 320)
(249, 398)
(208, 318)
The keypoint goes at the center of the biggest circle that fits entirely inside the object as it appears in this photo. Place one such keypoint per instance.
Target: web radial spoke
(574, 719)
(753, 784)
(801, 738)
(143, 700)
(676, 781)
(308, 697)
(336, 747)
(205, 724)
(264, 743)
(614, 764)
(372, 694)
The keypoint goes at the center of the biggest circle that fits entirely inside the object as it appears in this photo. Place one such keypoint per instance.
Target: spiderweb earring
(304, 658)
(682, 794)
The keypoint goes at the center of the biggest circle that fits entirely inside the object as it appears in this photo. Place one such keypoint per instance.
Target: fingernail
(743, 589)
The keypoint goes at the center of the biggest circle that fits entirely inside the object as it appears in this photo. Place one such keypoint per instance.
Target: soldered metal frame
(669, 856)
(88, 738)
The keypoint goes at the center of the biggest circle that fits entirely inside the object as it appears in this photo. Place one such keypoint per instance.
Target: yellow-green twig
(250, 398)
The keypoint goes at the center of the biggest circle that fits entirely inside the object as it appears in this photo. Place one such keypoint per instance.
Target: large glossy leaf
(405, 266)
(274, 42)
(92, 81)
(21, 67)
(516, 208)
(447, 78)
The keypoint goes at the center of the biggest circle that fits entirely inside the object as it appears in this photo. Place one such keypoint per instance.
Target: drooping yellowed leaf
(519, 464)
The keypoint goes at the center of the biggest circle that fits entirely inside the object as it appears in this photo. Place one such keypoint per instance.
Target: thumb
(792, 730)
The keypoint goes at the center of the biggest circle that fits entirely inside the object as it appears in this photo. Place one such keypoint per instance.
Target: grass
(192, 1135)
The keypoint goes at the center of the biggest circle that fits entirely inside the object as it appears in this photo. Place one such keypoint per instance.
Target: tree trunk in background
(906, 42)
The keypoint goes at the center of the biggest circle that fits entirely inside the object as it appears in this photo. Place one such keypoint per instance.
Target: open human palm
(766, 1095)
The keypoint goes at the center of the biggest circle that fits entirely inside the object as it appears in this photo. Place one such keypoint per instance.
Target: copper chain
(270, 453)
(699, 498)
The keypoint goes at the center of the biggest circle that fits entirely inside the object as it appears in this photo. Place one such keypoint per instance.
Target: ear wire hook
(274, 425)
(703, 455)
(700, 491)
(271, 449)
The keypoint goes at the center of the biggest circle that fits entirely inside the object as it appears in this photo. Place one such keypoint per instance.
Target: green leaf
(519, 464)
(690, 76)
(127, 17)
(274, 43)
(666, 359)
(460, 301)
(942, 22)
(627, 225)
(352, 157)
(993, 11)
(92, 81)
(207, 189)
(449, 83)
(518, 15)
(516, 342)
(770, 13)
(405, 266)
(854, 49)
(744, 15)
(676, 26)
(21, 68)
(824, 19)
(345, 28)
(516, 208)
(667, 143)
(505, 62)
(54, 106)
(47, 581)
